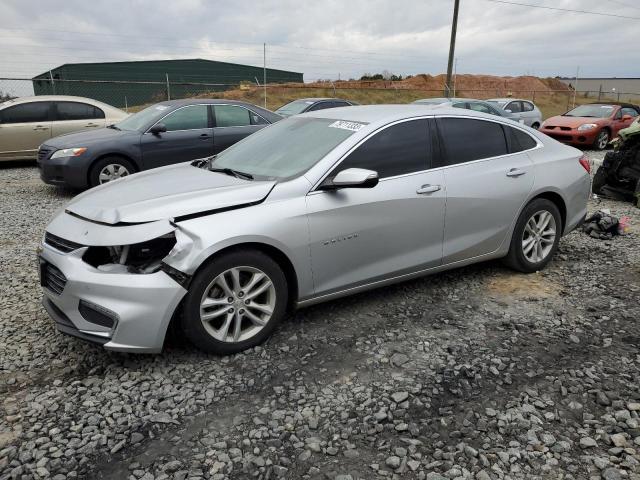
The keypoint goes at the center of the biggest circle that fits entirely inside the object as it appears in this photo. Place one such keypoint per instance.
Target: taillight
(584, 161)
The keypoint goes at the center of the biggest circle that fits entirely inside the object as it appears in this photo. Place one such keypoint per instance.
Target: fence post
(53, 84)
(600, 93)
(168, 88)
(618, 96)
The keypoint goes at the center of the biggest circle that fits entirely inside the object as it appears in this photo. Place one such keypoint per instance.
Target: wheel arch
(557, 200)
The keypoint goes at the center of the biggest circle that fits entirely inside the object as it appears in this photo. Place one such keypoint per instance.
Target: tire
(121, 167)
(599, 180)
(518, 258)
(602, 140)
(233, 307)
(535, 125)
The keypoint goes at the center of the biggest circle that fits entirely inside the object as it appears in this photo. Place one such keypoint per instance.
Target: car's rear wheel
(535, 237)
(235, 302)
(109, 169)
(535, 125)
(602, 140)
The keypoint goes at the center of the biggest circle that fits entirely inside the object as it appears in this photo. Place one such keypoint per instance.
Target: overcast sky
(328, 38)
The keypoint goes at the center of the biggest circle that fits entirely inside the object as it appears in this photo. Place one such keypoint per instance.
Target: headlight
(587, 126)
(69, 152)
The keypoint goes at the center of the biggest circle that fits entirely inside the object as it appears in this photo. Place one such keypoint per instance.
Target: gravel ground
(475, 373)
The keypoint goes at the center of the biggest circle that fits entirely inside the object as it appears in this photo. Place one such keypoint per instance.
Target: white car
(524, 111)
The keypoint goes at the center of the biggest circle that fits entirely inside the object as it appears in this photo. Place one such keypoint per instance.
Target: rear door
(487, 182)
(75, 116)
(233, 123)
(362, 235)
(189, 136)
(23, 128)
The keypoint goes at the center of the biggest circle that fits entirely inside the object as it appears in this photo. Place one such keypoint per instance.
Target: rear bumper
(572, 137)
(123, 312)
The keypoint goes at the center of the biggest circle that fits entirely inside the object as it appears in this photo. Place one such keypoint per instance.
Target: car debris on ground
(604, 226)
(619, 175)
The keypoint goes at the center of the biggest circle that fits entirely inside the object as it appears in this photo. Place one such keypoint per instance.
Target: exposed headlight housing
(69, 152)
(587, 126)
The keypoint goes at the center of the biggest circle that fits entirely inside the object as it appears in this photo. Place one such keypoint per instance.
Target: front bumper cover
(142, 304)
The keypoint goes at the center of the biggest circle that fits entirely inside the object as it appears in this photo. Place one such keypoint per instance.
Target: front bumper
(573, 136)
(141, 305)
(63, 171)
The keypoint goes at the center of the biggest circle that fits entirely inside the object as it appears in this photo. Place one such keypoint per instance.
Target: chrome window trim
(539, 145)
(241, 106)
(180, 108)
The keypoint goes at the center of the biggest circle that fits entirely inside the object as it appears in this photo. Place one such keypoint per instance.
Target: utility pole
(455, 75)
(452, 47)
(575, 88)
(264, 72)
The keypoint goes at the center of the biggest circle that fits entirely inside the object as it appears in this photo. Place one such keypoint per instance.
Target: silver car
(312, 208)
(523, 110)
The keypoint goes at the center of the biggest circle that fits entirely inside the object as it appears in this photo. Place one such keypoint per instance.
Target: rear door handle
(204, 136)
(91, 125)
(515, 172)
(40, 127)
(426, 189)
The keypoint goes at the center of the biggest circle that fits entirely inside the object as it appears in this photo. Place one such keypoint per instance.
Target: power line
(602, 14)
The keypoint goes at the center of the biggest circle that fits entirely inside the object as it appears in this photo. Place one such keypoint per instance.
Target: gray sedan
(162, 134)
(315, 207)
(469, 104)
(524, 110)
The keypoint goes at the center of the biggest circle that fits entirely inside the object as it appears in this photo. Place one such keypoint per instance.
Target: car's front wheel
(535, 237)
(602, 140)
(109, 169)
(235, 302)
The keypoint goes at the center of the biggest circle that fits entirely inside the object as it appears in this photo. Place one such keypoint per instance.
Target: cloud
(324, 39)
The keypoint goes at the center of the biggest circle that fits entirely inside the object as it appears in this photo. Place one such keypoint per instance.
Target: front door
(23, 128)
(189, 136)
(359, 236)
(487, 184)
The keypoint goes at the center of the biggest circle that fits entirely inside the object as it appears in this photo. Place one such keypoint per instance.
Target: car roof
(383, 114)
(58, 98)
(508, 99)
(316, 99)
(268, 114)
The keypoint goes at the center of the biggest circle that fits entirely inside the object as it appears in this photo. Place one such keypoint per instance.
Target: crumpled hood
(571, 122)
(90, 137)
(166, 193)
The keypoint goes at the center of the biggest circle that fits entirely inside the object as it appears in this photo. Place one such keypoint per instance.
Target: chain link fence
(134, 95)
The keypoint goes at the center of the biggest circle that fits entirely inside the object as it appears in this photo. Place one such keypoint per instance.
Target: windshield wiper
(113, 125)
(232, 172)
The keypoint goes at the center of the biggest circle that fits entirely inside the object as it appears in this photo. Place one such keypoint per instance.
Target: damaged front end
(619, 175)
(108, 283)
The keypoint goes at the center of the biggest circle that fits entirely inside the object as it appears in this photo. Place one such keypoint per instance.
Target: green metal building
(138, 83)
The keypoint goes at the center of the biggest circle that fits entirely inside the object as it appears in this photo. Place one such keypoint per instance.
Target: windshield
(294, 107)
(597, 111)
(287, 148)
(144, 118)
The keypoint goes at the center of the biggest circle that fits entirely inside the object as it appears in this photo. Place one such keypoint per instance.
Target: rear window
(77, 111)
(466, 139)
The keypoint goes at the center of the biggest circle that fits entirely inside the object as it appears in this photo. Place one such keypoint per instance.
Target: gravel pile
(479, 373)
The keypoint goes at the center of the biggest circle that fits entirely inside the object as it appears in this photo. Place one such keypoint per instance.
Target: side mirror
(508, 111)
(351, 178)
(158, 128)
(626, 118)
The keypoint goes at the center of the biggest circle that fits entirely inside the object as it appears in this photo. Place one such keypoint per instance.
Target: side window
(320, 106)
(231, 116)
(191, 117)
(340, 104)
(77, 111)
(459, 105)
(519, 140)
(514, 107)
(629, 111)
(26, 113)
(479, 107)
(527, 107)
(467, 139)
(257, 119)
(396, 150)
(618, 115)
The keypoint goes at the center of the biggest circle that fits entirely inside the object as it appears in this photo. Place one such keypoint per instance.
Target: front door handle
(515, 172)
(204, 136)
(40, 127)
(426, 189)
(92, 125)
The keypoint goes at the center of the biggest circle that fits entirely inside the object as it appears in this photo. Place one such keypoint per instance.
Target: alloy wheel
(539, 236)
(112, 171)
(237, 304)
(603, 139)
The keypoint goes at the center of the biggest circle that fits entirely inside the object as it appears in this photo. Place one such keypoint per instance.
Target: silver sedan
(315, 207)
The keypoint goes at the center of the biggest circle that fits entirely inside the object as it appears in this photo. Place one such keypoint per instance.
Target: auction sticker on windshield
(353, 126)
